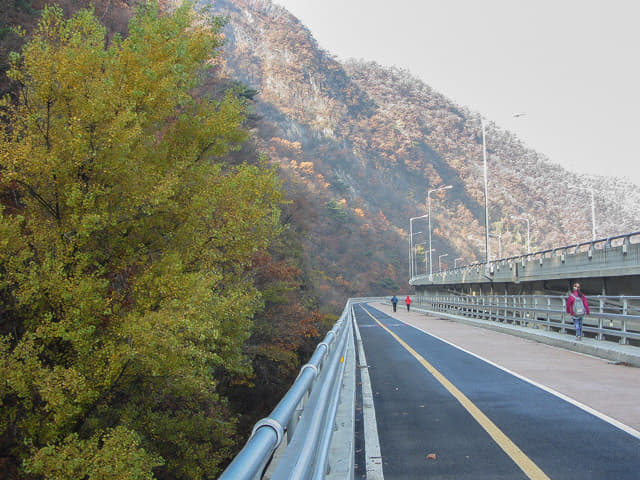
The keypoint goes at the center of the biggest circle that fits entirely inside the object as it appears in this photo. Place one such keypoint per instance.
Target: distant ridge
(370, 141)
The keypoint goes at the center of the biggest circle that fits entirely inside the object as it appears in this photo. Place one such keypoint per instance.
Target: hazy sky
(571, 66)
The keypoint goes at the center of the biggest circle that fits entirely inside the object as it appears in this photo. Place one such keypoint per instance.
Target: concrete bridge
(482, 379)
(607, 266)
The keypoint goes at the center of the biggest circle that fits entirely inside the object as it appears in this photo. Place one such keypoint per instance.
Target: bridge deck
(597, 400)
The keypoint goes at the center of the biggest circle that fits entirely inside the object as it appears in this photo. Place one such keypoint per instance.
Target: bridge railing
(618, 252)
(301, 425)
(613, 318)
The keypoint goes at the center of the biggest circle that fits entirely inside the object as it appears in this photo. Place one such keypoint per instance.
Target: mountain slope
(371, 141)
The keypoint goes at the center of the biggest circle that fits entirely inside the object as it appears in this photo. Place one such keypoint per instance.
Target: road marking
(518, 456)
(596, 413)
(371, 440)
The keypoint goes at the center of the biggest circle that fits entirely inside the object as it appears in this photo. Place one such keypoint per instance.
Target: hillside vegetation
(373, 140)
(147, 304)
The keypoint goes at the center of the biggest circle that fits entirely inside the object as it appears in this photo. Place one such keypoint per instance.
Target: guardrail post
(505, 311)
(295, 418)
(485, 315)
(488, 303)
(600, 335)
(623, 327)
(514, 311)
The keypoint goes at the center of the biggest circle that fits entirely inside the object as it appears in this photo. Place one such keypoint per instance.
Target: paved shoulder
(610, 388)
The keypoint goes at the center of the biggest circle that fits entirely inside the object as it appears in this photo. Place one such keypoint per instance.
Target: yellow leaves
(127, 273)
(114, 454)
(65, 393)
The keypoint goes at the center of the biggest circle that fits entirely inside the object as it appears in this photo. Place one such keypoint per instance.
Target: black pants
(408, 305)
(394, 306)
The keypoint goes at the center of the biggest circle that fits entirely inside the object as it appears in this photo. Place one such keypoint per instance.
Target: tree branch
(40, 200)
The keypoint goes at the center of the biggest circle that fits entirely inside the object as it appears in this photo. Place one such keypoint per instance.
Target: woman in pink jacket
(578, 307)
(408, 302)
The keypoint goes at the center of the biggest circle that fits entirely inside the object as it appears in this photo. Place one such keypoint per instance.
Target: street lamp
(593, 211)
(486, 195)
(439, 258)
(455, 261)
(499, 243)
(526, 219)
(448, 187)
(411, 272)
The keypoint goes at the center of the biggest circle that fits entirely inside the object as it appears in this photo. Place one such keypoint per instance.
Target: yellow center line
(518, 456)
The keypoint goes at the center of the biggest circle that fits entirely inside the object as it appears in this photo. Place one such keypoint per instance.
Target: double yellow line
(525, 463)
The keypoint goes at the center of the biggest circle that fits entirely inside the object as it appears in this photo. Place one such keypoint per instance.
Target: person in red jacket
(408, 302)
(578, 307)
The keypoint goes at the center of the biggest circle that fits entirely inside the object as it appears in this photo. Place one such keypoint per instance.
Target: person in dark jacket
(408, 302)
(577, 307)
(394, 302)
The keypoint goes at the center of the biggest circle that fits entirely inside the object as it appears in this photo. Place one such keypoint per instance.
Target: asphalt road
(445, 414)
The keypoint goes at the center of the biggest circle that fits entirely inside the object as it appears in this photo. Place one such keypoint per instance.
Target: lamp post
(429, 215)
(486, 195)
(440, 258)
(455, 261)
(593, 211)
(411, 272)
(526, 219)
(499, 237)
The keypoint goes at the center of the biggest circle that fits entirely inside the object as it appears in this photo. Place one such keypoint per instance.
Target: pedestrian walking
(577, 307)
(394, 302)
(408, 302)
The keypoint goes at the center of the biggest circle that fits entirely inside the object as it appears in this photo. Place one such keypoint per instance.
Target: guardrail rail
(301, 426)
(612, 318)
(611, 256)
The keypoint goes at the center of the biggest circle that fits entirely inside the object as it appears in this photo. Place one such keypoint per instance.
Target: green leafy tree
(124, 262)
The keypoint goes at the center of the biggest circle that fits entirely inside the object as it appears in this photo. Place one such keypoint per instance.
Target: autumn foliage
(133, 255)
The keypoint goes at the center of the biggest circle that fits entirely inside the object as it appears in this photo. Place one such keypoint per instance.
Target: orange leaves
(307, 167)
(286, 147)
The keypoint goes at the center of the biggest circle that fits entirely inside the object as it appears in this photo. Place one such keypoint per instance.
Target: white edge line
(371, 439)
(626, 428)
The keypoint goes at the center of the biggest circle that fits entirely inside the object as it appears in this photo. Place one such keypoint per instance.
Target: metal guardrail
(615, 255)
(614, 318)
(303, 420)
